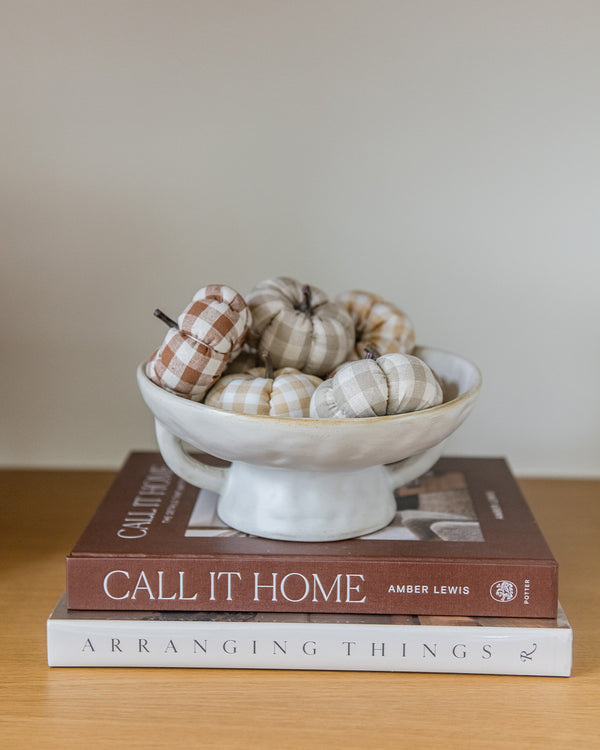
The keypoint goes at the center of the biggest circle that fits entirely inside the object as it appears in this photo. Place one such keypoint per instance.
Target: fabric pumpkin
(391, 384)
(196, 349)
(298, 326)
(284, 393)
(378, 324)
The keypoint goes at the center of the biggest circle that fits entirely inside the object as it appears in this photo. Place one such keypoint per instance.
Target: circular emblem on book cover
(503, 591)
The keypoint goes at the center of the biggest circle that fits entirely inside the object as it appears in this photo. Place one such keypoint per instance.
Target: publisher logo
(503, 591)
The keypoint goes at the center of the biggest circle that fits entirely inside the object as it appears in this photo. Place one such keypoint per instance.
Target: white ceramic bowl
(310, 479)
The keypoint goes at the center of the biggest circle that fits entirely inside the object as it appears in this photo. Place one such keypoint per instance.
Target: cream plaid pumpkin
(298, 326)
(378, 324)
(196, 349)
(284, 393)
(391, 384)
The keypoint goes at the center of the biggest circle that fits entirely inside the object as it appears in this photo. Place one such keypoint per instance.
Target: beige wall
(444, 154)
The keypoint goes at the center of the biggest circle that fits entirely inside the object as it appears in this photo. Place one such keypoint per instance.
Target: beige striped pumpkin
(299, 326)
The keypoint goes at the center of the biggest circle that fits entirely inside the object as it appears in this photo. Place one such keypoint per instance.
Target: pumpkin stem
(306, 305)
(370, 352)
(269, 371)
(165, 318)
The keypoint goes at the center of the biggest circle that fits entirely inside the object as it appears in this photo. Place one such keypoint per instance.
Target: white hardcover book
(247, 640)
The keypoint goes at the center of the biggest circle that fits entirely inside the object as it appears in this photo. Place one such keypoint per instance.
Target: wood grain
(43, 512)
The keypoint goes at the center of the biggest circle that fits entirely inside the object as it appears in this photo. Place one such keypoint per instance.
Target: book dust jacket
(463, 542)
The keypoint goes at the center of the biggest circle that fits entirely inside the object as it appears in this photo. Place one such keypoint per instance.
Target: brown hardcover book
(463, 542)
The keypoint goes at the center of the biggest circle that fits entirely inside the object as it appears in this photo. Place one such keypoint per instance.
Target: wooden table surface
(43, 512)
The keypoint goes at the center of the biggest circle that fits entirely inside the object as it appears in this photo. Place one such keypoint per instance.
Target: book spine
(310, 646)
(444, 587)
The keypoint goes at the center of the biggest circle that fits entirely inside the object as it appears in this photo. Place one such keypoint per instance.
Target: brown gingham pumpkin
(299, 326)
(196, 349)
(377, 386)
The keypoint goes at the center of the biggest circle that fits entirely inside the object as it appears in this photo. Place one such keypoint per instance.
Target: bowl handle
(187, 467)
(411, 468)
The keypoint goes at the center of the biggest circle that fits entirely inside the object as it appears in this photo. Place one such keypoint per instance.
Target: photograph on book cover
(436, 507)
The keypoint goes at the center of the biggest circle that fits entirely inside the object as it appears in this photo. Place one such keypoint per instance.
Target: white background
(443, 154)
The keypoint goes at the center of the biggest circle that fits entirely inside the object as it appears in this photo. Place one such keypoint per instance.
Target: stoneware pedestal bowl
(310, 479)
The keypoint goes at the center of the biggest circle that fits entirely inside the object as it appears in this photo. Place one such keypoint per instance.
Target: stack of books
(461, 581)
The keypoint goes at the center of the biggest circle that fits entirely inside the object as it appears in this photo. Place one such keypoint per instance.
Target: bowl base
(309, 506)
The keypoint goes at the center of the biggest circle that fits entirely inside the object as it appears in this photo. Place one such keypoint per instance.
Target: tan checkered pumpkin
(378, 324)
(298, 326)
(391, 384)
(195, 351)
(283, 393)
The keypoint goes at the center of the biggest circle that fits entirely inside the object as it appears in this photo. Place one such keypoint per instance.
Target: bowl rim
(189, 404)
